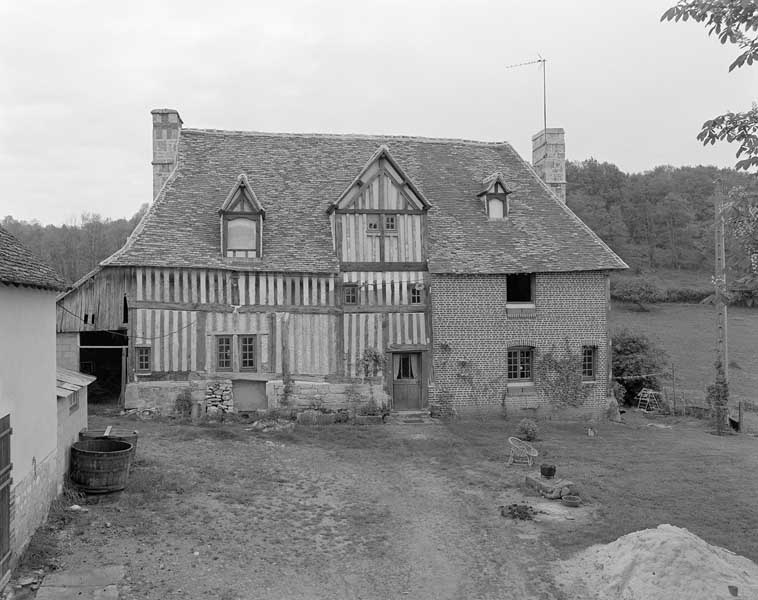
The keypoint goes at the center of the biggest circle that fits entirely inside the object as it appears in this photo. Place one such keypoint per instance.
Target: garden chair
(521, 452)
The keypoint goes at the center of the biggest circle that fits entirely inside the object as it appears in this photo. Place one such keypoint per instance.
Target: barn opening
(103, 354)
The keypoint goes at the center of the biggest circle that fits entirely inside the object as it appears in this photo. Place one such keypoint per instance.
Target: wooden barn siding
(360, 246)
(102, 296)
(202, 286)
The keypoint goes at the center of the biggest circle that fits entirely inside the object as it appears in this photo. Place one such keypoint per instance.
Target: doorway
(406, 381)
(103, 354)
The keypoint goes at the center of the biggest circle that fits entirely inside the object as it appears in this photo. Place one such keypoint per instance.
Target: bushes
(528, 430)
(638, 291)
(635, 357)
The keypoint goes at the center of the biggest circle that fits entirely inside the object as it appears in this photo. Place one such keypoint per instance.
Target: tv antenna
(543, 62)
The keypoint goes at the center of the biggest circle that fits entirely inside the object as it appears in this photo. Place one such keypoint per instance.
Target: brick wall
(472, 332)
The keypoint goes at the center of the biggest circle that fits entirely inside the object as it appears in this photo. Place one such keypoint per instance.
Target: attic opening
(241, 222)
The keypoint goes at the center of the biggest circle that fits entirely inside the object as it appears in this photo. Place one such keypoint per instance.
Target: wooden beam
(384, 266)
(378, 211)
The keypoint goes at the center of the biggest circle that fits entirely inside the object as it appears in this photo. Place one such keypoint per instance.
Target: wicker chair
(521, 452)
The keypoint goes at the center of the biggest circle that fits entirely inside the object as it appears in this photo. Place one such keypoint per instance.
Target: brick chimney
(549, 158)
(167, 125)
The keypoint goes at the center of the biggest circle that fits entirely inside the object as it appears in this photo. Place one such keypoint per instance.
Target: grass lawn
(391, 511)
(688, 334)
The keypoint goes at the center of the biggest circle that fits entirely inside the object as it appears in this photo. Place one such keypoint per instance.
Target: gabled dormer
(379, 218)
(242, 222)
(494, 194)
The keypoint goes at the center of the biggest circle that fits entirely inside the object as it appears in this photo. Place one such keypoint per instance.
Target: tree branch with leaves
(734, 22)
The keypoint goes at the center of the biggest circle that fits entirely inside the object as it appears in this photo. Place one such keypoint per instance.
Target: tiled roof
(297, 176)
(19, 266)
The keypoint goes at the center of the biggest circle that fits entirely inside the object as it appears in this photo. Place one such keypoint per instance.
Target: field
(392, 511)
(688, 334)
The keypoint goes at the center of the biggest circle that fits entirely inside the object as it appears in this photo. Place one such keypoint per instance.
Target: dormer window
(495, 196)
(241, 222)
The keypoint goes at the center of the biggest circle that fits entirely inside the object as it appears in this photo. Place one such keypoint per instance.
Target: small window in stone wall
(224, 353)
(589, 358)
(142, 358)
(73, 402)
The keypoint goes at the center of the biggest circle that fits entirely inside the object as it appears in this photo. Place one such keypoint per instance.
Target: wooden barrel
(121, 435)
(100, 466)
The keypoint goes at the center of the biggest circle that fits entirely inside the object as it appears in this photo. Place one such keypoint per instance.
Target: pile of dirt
(666, 562)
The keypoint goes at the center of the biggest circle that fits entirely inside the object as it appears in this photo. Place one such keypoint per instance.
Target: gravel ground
(389, 511)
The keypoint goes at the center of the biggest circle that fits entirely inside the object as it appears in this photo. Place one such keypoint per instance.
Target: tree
(735, 22)
(637, 362)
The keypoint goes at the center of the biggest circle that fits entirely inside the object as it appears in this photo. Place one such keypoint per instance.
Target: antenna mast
(543, 62)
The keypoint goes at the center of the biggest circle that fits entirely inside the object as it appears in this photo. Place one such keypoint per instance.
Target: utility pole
(719, 282)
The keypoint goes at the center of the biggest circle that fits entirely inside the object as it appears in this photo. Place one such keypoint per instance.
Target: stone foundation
(30, 503)
(217, 396)
(304, 394)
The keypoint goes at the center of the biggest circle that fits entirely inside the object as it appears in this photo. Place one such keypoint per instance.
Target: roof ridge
(342, 136)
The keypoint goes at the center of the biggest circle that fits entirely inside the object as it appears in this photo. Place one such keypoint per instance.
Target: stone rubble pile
(218, 397)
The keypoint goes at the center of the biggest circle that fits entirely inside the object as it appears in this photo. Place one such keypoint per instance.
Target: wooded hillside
(657, 219)
(73, 250)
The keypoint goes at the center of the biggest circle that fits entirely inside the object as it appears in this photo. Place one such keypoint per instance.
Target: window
(589, 355)
(519, 288)
(241, 237)
(390, 224)
(224, 353)
(350, 294)
(373, 223)
(495, 207)
(405, 367)
(416, 294)
(73, 402)
(247, 352)
(520, 365)
(143, 358)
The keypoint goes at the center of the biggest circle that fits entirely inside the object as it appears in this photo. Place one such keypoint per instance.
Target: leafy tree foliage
(734, 22)
(659, 218)
(637, 361)
(75, 249)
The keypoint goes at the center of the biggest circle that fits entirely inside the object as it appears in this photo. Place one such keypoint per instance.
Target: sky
(78, 80)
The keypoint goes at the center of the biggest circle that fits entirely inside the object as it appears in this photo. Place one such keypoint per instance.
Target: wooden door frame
(425, 363)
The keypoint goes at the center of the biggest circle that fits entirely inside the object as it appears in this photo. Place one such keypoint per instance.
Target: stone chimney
(167, 125)
(549, 159)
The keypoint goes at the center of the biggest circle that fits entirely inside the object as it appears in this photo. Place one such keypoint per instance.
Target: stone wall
(219, 397)
(328, 395)
(216, 395)
(30, 502)
(472, 332)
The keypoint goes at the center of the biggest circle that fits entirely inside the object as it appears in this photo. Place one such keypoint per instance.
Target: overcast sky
(78, 79)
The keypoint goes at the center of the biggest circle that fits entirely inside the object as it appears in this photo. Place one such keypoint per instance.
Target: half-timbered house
(302, 269)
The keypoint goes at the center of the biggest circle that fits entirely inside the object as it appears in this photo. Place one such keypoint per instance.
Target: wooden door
(406, 381)
(5, 496)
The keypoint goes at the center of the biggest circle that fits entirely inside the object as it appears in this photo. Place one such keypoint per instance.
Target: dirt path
(225, 513)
